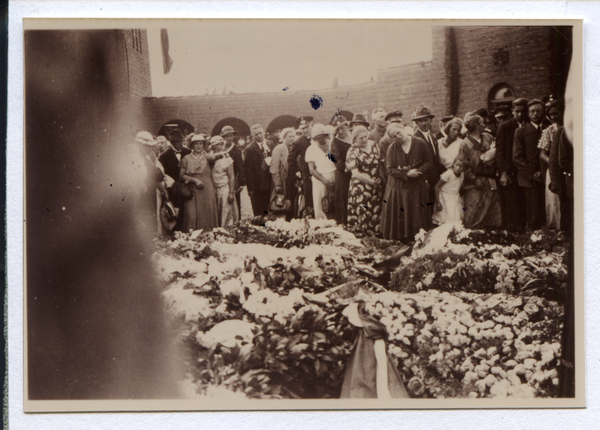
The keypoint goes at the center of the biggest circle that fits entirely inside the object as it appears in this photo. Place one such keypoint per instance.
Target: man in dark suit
(512, 196)
(256, 167)
(170, 160)
(229, 134)
(339, 150)
(296, 163)
(526, 158)
(422, 118)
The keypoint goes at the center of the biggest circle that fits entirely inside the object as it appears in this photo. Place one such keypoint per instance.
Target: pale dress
(452, 208)
(326, 167)
(228, 212)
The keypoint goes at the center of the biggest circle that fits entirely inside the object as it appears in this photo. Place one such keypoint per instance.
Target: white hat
(199, 137)
(145, 138)
(215, 140)
(286, 131)
(330, 129)
(318, 130)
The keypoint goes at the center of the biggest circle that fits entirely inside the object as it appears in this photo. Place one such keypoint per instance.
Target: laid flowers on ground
(265, 319)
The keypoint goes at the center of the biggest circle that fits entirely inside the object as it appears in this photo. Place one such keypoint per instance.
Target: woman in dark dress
(200, 212)
(404, 210)
(364, 204)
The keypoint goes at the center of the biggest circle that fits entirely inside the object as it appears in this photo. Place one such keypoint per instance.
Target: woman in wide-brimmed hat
(200, 211)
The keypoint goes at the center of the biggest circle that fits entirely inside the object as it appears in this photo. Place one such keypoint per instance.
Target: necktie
(431, 143)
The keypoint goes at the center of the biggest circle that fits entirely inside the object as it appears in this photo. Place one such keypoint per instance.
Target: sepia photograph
(281, 214)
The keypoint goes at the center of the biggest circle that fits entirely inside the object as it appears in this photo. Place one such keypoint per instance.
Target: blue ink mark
(316, 102)
(331, 157)
(286, 88)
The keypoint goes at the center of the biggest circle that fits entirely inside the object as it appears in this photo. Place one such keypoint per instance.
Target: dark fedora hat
(359, 119)
(421, 113)
(394, 114)
(447, 118)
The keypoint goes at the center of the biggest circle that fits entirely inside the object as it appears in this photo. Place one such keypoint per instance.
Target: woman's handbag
(328, 202)
(279, 204)
(185, 191)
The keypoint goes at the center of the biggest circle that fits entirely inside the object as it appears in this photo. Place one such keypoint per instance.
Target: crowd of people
(509, 168)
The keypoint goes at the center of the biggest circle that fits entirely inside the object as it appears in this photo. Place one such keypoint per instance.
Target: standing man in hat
(170, 160)
(512, 196)
(256, 167)
(296, 163)
(342, 142)
(230, 135)
(359, 119)
(526, 158)
(378, 131)
(440, 134)
(502, 114)
(422, 119)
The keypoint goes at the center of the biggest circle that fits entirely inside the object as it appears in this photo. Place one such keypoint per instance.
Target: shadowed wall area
(95, 322)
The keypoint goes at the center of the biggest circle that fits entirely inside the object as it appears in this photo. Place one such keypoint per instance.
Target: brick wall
(136, 108)
(527, 70)
(405, 87)
(138, 62)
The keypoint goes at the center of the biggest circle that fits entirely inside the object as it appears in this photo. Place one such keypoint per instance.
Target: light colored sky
(248, 56)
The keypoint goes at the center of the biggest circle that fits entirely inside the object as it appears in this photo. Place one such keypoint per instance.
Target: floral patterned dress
(364, 202)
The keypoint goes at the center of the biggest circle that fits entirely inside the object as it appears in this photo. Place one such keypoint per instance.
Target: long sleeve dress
(200, 212)
(481, 199)
(404, 210)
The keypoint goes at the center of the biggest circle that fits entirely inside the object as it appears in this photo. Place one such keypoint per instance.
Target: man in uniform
(296, 163)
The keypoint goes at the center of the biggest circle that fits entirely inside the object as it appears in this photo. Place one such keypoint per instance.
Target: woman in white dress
(223, 179)
(322, 168)
(448, 207)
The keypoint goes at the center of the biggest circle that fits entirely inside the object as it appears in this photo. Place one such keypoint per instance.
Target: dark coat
(434, 172)
(170, 162)
(339, 151)
(258, 179)
(238, 166)
(505, 136)
(526, 155)
(296, 161)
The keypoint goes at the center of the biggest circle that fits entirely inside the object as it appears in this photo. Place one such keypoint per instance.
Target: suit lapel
(432, 148)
